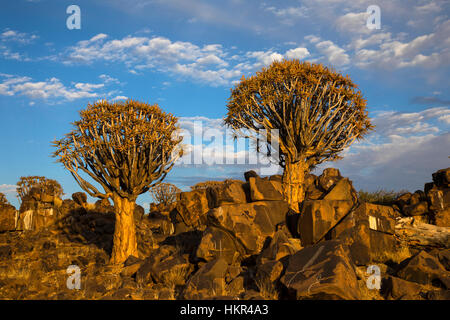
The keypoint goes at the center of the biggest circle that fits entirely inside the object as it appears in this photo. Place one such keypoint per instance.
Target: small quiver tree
(126, 148)
(42, 184)
(3, 200)
(317, 112)
(164, 193)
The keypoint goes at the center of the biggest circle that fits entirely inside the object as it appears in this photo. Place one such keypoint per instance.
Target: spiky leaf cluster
(318, 111)
(126, 147)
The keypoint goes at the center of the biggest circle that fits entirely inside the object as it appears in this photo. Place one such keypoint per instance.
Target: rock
(36, 215)
(442, 218)
(270, 270)
(251, 223)
(104, 206)
(443, 256)
(265, 190)
(281, 245)
(439, 295)
(320, 216)
(368, 231)
(436, 199)
(7, 218)
(138, 212)
(210, 281)
(313, 193)
(249, 174)
(193, 206)
(166, 266)
(230, 192)
(343, 190)
(425, 269)
(328, 178)
(321, 271)
(416, 209)
(217, 243)
(441, 178)
(400, 289)
(80, 198)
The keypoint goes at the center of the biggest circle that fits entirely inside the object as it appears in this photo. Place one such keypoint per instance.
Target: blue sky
(185, 55)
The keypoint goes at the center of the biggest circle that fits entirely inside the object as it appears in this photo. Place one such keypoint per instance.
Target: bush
(164, 193)
(382, 197)
(206, 185)
(3, 200)
(46, 186)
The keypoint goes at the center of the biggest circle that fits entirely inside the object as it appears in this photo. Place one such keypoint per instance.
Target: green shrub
(381, 196)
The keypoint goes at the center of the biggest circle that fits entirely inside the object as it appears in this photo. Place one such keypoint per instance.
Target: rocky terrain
(235, 240)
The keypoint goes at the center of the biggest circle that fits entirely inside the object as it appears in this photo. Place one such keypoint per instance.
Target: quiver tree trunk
(293, 183)
(124, 243)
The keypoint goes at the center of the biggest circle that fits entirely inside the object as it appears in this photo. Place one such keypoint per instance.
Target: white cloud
(119, 98)
(334, 54)
(8, 189)
(16, 36)
(48, 89)
(297, 53)
(353, 23)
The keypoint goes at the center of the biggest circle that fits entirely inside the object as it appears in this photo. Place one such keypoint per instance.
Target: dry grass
(267, 288)
(382, 197)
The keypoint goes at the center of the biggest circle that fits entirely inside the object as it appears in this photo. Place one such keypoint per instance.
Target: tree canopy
(126, 147)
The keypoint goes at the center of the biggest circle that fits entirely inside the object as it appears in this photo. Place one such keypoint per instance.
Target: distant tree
(207, 184)
(45, 186)
(317, 111)
(3, 200)
(164, 193)
(127, 148)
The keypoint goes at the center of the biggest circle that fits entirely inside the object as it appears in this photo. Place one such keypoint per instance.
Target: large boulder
(7, 217)
(328, 178)
(399, 289)
(217, 243)
(230, 192)
(321, 271)
(441, 178)
(425, 269)
(320, 216)
(36, 215)
(164, 265)
(280, 246)
(214, 279)
(368, 231)
(80, 198)
(251, 223)
(265, 190)
(193, 206)
(342, 190)
(439, 204)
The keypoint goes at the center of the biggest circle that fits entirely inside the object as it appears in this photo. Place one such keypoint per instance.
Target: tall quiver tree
(126, 148)
(317, 111)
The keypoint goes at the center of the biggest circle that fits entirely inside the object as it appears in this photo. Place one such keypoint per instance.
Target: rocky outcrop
(8, 215)
(322, 271)
(235, 240)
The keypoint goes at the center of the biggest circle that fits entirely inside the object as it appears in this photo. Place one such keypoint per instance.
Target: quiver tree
(3, 200)
(126, 148)
(317, 112)
(45, 186)
(164, 193)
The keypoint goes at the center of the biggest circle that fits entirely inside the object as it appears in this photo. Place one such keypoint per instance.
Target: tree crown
(45, 185)
(126, 147)
(318, 111)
